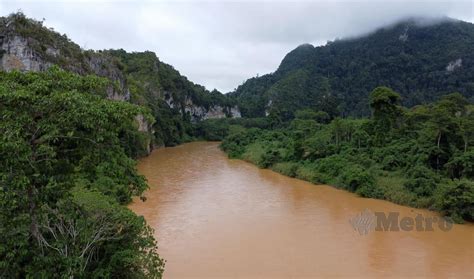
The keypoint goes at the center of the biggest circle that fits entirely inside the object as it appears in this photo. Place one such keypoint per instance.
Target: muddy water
(221, 218)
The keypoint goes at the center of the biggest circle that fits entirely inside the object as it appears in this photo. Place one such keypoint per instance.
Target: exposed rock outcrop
(17, 55)
(27, 45)
(199, 113)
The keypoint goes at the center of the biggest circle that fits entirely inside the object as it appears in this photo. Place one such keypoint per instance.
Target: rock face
(40, 48)
(199, 113)
(17, 55)
(27, 45)
(105, 66)
(145, 127)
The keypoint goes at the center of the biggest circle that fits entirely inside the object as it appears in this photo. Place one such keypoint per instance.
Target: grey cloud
(220, 44)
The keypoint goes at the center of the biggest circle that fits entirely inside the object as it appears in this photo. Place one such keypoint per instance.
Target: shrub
(286, 168)
(254, 153)
(458, 201)
(355, 177)
(422, 181)
(308, 172)
(370, 190)
(392, 184)
(462, 165)
(390, 162)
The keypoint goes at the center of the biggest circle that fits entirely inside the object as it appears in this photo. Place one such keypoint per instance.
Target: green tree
(385, 110)
(56, 134)
(458, 201)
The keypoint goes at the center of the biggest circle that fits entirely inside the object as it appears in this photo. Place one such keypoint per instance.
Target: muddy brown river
(220, 218)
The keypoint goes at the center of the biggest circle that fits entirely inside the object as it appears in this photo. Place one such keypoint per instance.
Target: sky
(220, 44)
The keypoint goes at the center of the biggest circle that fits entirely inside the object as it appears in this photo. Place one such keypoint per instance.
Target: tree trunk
(32, 211)
(437, 157)
(439, 139)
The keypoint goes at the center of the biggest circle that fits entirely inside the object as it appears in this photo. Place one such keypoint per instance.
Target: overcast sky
(219, 44)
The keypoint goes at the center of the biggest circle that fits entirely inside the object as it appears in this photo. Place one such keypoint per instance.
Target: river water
(220, 218)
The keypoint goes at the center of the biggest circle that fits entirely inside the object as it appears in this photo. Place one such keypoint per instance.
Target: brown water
(220, 218)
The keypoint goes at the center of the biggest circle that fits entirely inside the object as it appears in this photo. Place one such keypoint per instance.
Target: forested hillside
(174, 101)
(141, 78)
(420, 61)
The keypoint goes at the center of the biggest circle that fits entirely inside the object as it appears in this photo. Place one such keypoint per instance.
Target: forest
(421, 156)
(422, 62)
(152, 83)
(66, 170)
(374, 115)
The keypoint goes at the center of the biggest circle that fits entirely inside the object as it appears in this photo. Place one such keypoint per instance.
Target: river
(220, 218)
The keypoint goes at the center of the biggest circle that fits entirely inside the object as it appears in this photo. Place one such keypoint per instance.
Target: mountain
(138, 77)
(420, 60)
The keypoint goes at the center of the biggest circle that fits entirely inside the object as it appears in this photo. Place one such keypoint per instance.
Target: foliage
(167, 93)
(402, 155)
(218, 129)
(458, 201)
(64, 169)
(139, 77)
(338, 77)
(286, 168)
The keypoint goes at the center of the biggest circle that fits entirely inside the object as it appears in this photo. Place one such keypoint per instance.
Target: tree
(57, 133)
(385, 110)
(466, 127)
(458, 201)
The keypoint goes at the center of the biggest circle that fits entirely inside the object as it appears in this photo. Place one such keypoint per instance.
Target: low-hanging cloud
(219, 44)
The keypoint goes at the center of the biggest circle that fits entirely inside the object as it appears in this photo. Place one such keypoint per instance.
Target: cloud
(219, 44)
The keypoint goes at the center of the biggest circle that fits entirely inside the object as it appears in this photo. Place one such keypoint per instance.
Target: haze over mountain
(421, 60)
(219, 44)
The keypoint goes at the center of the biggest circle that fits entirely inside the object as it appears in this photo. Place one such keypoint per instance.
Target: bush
(392, 185)
(255, 153)
(309, 173)
(355, 177)
(286, 168)
(236, 143)
(462, 165)
(212, 129)
(332, 165)
(390, 162)
(458, 201)
(370, 190)
(422, 181)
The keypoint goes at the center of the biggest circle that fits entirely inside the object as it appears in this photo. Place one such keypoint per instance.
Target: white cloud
(219, 44)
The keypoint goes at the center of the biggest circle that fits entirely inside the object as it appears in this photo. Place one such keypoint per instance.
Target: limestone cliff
(27, 45)
(141, 78)
(198, 113)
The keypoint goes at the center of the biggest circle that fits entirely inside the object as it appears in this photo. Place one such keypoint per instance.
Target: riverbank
(213, 216)
(406, 158)
(382, 185)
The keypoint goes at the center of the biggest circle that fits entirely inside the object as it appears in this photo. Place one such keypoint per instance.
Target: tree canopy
(64, 170)
(338, 77)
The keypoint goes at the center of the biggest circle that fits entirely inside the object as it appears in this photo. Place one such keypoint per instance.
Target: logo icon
(364, 222)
